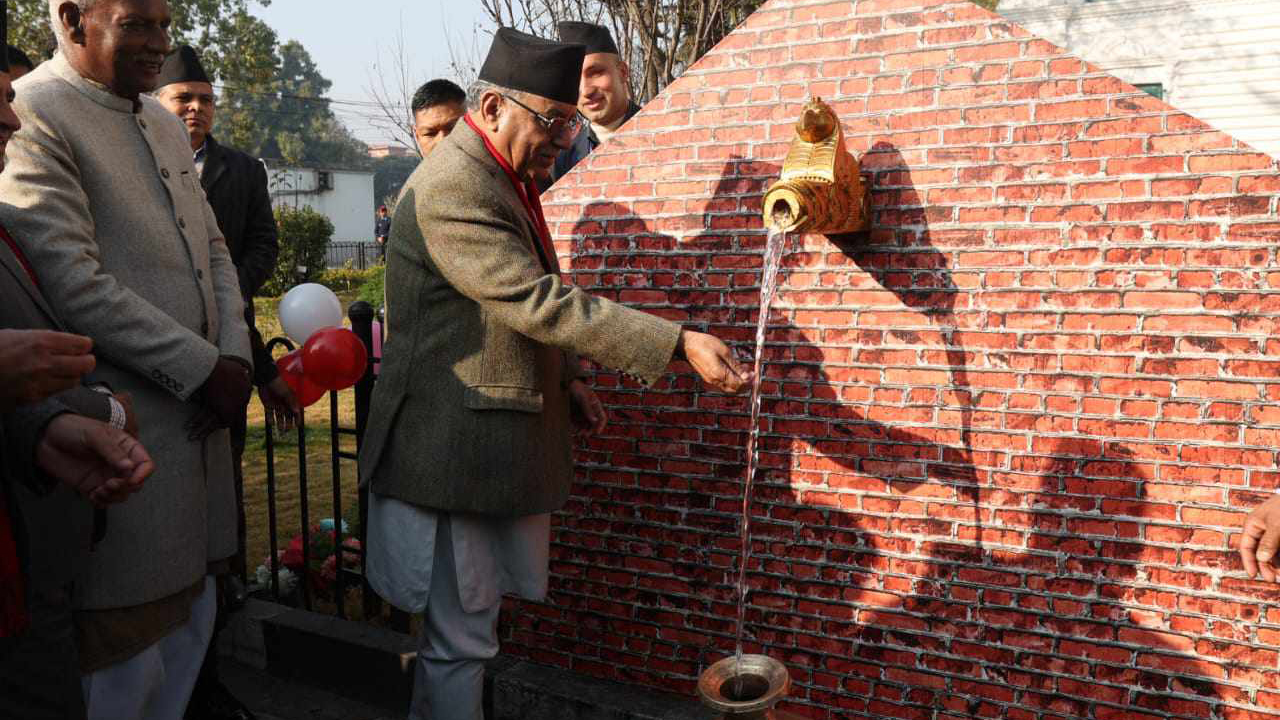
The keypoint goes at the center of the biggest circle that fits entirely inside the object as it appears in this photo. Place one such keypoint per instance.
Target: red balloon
(335, 358)
(290, 367)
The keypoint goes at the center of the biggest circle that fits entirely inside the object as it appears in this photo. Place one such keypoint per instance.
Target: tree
(270, 95)
(391, 85)
(202, 23)
(271, 102)
(304, 241)
(393, 82)
(389, 176)
(249, 63)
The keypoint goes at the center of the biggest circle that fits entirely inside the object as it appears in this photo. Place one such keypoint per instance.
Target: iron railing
(362, 316)
(359, 255)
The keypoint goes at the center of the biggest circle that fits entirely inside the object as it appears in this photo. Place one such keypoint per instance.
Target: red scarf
(528, 193)
(17, 252)
(13, 606)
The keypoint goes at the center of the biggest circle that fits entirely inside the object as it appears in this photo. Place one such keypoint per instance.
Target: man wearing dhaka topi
(468, 448)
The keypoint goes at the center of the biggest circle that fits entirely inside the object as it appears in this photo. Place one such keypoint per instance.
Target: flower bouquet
(321, 567)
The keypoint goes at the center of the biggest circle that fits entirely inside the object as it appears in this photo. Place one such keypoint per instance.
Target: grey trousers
(156, 683)
(449, 681)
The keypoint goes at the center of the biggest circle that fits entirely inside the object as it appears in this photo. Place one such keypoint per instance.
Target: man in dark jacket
(604, 95)
(236, 186)
(381, 229)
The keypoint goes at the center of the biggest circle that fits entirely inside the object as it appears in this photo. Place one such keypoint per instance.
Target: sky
(350, 40)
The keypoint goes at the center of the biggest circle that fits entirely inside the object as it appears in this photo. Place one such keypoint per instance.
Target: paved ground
(273, 698)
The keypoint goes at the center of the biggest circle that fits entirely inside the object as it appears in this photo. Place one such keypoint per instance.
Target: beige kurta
(494, 556)
(102, 194)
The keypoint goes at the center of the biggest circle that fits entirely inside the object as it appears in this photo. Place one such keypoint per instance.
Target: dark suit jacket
(58, 523)
(471, 410)
(236, 185)
(582, 146)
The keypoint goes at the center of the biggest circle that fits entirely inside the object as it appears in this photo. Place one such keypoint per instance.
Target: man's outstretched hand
(1260, 538)
(713, 361)
(102, 463)
(35, 364)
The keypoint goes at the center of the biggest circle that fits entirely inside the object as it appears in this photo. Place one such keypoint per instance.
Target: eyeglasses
(555, 125)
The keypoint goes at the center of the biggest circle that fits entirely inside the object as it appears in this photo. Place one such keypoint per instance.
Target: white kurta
(493, 556)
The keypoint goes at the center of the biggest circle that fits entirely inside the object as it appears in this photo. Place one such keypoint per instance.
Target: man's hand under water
(713, 361)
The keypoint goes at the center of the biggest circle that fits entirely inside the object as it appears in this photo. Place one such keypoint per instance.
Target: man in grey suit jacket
(106, 202)
(468, 447)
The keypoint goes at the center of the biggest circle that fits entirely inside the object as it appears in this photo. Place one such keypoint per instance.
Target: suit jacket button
(143, 123)
(204, 328)
(164, 173)
(182, 223)
(200, 274)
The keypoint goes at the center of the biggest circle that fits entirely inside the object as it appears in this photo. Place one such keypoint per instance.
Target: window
(1155, 90)
(324, 180)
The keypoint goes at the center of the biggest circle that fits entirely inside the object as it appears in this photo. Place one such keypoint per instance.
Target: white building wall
(348, 202)
(1218, 60)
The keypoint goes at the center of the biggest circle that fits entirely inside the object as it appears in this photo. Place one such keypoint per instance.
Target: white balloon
(307, 308)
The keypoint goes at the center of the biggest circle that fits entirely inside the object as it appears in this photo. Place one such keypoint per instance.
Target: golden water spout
(820, 190)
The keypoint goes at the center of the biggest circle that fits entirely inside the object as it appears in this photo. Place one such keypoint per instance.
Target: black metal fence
(359, 255)
(362, 317)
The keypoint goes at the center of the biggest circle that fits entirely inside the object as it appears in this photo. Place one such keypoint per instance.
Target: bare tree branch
(392, 87)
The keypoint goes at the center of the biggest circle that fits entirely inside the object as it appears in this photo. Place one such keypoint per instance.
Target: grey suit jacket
(471, 410)
(58, 523)
(105, 201)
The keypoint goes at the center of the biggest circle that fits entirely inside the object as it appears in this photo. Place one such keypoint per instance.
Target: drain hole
(744, 688)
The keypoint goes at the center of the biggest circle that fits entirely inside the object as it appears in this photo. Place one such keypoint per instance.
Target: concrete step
(526, 691)
(364, 672)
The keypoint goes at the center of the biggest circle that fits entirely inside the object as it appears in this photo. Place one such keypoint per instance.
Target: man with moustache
(54, 465)
(105, 201)
(468, 448)
(236, 186)
(604, 95)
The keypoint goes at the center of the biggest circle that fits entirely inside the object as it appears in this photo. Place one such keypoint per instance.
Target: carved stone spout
(820, 190)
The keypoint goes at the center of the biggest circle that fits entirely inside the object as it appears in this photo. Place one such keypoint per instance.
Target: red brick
(1231, 161)
(1069, 293)
(988, 51)
(1070, 110)
(1151, 165)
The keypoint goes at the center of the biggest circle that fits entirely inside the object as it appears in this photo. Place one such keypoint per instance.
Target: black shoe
(236, 594)
(219, 704)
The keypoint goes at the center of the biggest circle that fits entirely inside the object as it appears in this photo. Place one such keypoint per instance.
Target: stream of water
(773, 251)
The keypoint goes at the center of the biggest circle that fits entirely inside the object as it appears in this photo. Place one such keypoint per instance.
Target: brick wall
(1009, 434)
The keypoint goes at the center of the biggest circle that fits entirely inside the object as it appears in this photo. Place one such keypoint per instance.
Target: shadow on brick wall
(850, 578)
